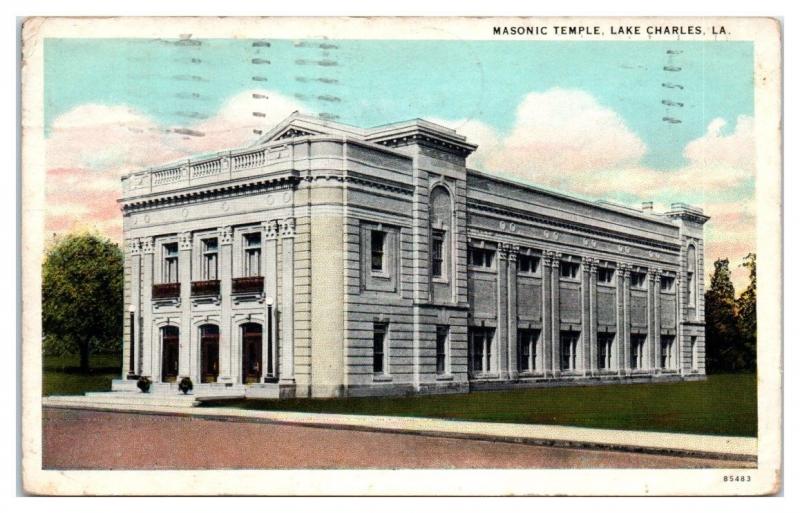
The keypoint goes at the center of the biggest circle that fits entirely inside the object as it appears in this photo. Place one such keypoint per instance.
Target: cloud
(566, 140)
(91, 146)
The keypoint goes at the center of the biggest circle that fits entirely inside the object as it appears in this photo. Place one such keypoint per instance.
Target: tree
(746, 316)
(721, 332)
(82, 280)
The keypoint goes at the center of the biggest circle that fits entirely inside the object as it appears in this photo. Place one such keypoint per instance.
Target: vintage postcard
(402, 256)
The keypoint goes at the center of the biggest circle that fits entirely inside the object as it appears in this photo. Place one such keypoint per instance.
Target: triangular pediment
(300, 125)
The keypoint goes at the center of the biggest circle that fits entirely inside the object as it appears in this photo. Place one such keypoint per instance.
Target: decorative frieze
(134, 249)
(147, 246)
(270, 229)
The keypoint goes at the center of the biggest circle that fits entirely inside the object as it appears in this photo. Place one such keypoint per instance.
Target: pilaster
(626, 319)
(229, 351)
(592, 316)
(656, 285)
(513, 364)
(134, 248)
(547, 316)
(555, 311)
(270, 265)
(502, 310)
(150, 355)
(287, 232)
(189, 351)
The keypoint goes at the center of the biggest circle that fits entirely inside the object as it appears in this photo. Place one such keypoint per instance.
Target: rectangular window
(210, 259)
(442, 336)
(252, 254)
(527, 264)
(170, 270)
(667, 343)
(638, 280)
(637, 351)
(481, 257)
(605, 275)
(528, 344)
(569, 350)
(667, 283)
(605, 351)
(377, 250)
(690, 285)
(379, 330)
(481, 340)
(437, 253)
(569, 270)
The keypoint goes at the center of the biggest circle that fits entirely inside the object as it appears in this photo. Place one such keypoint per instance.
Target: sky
(623, 121)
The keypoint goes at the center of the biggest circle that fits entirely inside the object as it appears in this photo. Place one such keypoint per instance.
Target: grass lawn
(61, 375)
(724, 404)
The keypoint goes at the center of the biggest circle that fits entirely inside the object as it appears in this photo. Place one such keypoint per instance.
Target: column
(657, 317)
(626, 318)
(149, 356)
(547, 317)
(501, 348)
(513, 364)
(269, 264)
(619, 342)
(134, 249)
(586, 317)
(555, 311)
(679, 339)
(593, 316)
(189, 357)
(230, 360)
(287, 302)
(650, 362)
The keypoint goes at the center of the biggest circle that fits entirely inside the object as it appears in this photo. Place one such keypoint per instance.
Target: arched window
(209, 353)
(252, 340)
(691, 273)
(170, 351)
(441, 215)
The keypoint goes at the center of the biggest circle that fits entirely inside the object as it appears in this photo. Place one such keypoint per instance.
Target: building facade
(327, 260)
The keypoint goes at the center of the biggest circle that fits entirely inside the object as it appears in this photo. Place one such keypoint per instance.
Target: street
(84, 439)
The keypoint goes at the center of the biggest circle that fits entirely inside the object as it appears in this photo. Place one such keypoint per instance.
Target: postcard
(401, 256)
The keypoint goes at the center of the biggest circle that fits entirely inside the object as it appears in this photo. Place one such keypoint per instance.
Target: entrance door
(251, 352)
(209, 353)
(169, 354)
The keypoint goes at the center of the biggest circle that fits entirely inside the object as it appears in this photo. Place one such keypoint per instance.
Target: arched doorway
(209, 353)
(251, 352)
(170, 336)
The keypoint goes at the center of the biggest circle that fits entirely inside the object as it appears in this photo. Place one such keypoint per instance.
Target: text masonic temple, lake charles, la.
(327, 260)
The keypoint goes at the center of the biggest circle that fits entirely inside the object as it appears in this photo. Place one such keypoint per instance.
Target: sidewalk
(721, 447)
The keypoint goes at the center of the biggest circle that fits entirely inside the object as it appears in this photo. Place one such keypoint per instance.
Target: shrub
(185, 385)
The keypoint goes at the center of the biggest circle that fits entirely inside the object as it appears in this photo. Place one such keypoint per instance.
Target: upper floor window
(252, 254)
(378, 251)
(437, 254)
(667, 283)
(527, 264)
(170, 268)
(638, 280)
(569, 270)
(691, 269)
(481, 257)
(209, 264)
(605, 275)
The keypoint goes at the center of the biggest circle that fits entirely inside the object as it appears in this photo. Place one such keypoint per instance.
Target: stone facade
(327, 260)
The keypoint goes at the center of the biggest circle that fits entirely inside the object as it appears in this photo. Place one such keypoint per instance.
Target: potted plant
(185, 385)
(144, 384)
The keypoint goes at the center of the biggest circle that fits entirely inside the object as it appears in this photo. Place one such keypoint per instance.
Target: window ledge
(444, 377)
(381, 378)
(530, 374)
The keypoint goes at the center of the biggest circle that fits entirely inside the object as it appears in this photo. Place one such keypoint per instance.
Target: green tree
(746, 316)
(82, 279)
(721, 332)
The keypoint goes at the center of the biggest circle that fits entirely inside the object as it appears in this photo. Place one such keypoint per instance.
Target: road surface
(83, 439)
